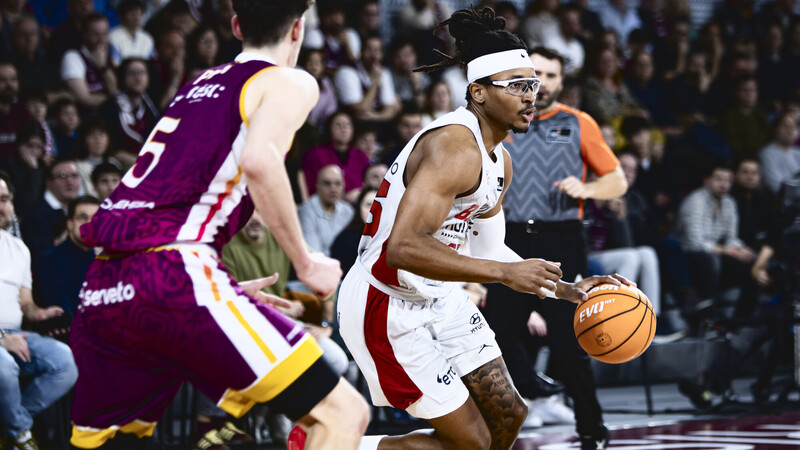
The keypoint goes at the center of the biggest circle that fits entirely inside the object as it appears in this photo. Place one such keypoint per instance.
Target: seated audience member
(229, 46)
(744, 125)
(167, 70)
(65, 127)
(780, 159)
(688, 94)
(652, 176)
(12, 113)
(64, 266)
(408, 124)
(368, 18)
(313, 61)
(105, 178)
(131, 114)
(438, 102)
(35, 101)
(605, 96)
(47, 363)
(128, 39)
(374, 175)
(40, 225)
(619, 16)
(202, 50)
(409, 86)
(707, 226)
(26, 169)
(345, 246)
(92, 149)
(367, 89)
(366, 140)
(337, 151)
(752, 203)
(566, 40)
(67, 34)
(88, 71)
(33, 66)
(648, 90)
(325, 213)
(341, 44)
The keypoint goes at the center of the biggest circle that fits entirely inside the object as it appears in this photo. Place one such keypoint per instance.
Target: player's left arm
(610, 182)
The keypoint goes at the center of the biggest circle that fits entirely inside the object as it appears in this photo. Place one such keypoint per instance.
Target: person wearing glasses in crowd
(544, 210)
(422, 346)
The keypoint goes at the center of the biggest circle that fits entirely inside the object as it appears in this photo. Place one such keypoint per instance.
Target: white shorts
(413, 354)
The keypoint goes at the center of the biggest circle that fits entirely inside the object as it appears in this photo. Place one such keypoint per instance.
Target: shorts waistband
(188, 246)
(540, 226)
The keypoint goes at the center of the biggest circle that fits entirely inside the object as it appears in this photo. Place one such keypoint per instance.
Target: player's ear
(237, 31)
(297, 29)
(478, 92)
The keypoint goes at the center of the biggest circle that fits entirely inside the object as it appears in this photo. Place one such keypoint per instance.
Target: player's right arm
(276, 103)
(450, 164)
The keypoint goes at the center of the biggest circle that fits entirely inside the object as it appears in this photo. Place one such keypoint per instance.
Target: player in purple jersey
(158, 307)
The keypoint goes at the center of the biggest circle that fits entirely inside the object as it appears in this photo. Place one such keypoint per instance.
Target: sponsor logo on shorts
(447, 378)
(115, 294)
(476, 320)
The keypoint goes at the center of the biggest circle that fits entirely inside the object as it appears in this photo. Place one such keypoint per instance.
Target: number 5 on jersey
(144, 165)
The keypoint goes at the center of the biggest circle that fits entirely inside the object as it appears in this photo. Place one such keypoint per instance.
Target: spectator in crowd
(203, 50)
(688, 94)
(652, 176)
(26, 169)
(345, 246)
(68, 34)
(418, 21)
(28, 56)
(604, 95)
(341, 44)
(47, 363)
(508, 11)
(366, 140)
(325, 214)
(337, 151)
(64, 266)
(41, 225)
(10, 12)
(373, 176)
(648, 90)
(736, 18)
(409, 123)
(180, 15)
(131, 114)
(35, 101)
(367, 90)
(92, 149)
(541, 20)
(707, 227)
(776, 12)
(772, 72)
(167, 70)
(565, 39)
(620, 17)
(12, 113)
(670, 54)
(65, 126)
(229, 46)
(409, 86)
(313, 61)
(709, 42)
(780, 159)
(654, 19)
(745, 125)
(128, 39)
(105, 178)
(438, 102)
(591, 26)
(368, 18)
(89, 70)
(736, 66)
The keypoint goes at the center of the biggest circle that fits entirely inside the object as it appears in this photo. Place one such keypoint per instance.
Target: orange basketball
(616, 324)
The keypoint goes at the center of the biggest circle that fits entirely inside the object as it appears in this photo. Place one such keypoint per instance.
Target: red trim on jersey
(382, 272)
(220, 198)
(395, 382)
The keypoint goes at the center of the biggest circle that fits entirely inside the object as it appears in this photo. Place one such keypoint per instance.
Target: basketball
(616, 324)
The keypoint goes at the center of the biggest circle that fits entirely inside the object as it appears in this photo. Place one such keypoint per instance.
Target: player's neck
(492, 131)
(280, 54)
(552, 107)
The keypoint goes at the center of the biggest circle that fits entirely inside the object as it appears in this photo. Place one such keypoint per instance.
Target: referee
(544, 208)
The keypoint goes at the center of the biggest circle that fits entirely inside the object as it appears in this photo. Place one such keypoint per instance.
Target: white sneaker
(552, 410)
(533, 420)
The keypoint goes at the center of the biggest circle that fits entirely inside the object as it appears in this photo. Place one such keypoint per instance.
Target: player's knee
(350, 404)
(475, 438)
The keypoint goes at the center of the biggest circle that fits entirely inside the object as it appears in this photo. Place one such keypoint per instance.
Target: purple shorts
(149, 321)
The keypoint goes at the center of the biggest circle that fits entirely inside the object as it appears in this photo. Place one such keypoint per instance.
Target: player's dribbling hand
(577, 292)
(321, 276)
(534, 276)
(253, 289)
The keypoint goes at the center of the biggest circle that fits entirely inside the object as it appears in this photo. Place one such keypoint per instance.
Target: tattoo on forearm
(492, 391)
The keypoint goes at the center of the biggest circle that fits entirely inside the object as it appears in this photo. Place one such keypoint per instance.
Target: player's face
(549, 72)
(514, 111)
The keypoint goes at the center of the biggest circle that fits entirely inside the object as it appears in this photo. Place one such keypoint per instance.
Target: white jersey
(454, 230)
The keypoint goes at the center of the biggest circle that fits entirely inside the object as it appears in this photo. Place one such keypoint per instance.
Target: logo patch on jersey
(500, 183)
(563, 135)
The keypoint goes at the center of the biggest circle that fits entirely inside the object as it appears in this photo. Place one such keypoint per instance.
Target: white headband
(497, 62)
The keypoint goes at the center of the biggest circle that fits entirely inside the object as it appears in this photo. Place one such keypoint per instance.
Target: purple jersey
(187, 184)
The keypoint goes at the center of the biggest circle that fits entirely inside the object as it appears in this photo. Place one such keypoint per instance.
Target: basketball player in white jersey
(437, 219)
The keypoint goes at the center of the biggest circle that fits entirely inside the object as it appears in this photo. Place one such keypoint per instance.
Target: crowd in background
(704, 120)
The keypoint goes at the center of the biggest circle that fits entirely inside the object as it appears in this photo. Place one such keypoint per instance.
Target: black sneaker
(595, 442)
(697, 394)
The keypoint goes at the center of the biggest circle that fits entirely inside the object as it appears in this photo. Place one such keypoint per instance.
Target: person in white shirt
(89, 70)
(342, 45)
(618, 16)
(565, 40)
(128, 38)
(780, 159)
(325, 214)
